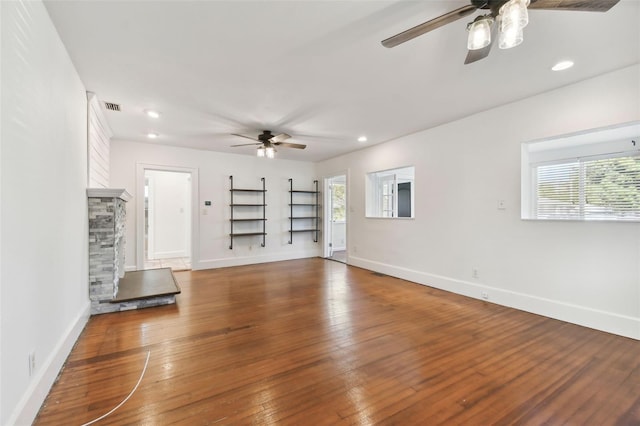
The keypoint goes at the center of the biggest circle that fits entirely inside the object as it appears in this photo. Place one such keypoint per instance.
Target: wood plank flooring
(314, 342)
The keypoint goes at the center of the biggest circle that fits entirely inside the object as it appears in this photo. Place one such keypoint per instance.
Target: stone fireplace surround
(107, 217)
(107, 223)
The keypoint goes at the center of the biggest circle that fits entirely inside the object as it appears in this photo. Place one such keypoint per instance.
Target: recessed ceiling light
(151, 113)
(362, 139)
(562, 65)
(152, 135)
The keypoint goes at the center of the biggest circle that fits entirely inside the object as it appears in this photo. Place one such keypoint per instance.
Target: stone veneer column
(107, 218)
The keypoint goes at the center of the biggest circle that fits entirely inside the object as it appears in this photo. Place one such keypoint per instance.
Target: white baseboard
(250, 260)
(159, 255)
(588, 317)
(29, 405)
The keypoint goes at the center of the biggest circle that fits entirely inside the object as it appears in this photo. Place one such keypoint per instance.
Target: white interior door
(168, 214)
(335, 201)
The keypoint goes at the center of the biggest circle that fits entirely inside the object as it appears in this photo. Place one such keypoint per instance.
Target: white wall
(586, 273)
(169, 214)
(99, 136)
(214, 170)
(44, 253)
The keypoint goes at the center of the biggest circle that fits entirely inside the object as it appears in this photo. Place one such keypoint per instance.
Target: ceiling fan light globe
(479, 34)
(510, 37)
(270, 151)
(514, 12)
(261, 152)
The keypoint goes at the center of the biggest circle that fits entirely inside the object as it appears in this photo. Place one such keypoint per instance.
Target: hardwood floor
(317, 342)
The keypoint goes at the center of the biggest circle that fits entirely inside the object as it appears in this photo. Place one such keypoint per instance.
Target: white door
(335, 237)
(168, 215)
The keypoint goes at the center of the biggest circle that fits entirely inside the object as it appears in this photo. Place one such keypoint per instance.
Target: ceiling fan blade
(247, 144)
(431, 25)
(243, 136)
(579, 5)
(291, 145)
(279, 138)
(476, 55)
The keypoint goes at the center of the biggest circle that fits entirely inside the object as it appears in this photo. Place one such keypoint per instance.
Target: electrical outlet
(485, 295)
(474, 273)
(32, 363)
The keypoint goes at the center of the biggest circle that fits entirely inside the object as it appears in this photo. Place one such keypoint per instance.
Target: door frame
(195, 224)
(327, 226)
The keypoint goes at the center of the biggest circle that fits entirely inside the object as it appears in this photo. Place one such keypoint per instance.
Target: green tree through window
(338, 213)
(613, 185)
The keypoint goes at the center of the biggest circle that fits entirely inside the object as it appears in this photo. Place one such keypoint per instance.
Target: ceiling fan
(267, 141)
(509, 17)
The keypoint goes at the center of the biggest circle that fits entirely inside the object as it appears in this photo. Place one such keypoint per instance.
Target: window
(582, 177)
(338, 211)
(390, 193)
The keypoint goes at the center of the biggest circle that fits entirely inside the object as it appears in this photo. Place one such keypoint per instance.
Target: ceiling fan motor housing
(265, 136)
(493, 5)
(480, 4)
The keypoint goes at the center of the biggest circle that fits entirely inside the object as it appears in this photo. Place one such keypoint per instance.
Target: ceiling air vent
(111, 106)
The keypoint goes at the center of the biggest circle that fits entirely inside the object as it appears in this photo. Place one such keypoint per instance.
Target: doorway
(166, 219)
(335, 241)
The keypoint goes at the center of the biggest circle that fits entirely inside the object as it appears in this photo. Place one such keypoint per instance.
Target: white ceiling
(316, 69)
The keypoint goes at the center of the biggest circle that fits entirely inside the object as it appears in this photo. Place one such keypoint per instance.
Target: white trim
(150, 195)
(583, 146)
(2, 290)
(326, 217)
(169, 254)
(610, 322)
(27, 408)
(251, 260)
(195, 217)
(376, 181)
(108, 193)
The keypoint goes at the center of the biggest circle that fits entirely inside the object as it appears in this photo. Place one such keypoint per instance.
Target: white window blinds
(591, 189)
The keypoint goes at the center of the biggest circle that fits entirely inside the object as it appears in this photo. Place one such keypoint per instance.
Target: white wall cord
(128, 396)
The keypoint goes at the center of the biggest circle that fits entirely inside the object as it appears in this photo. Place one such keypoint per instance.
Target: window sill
(530, 219)
(389, 218)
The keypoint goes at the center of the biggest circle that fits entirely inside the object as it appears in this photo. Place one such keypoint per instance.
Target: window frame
(377, 207)
(582, 149)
